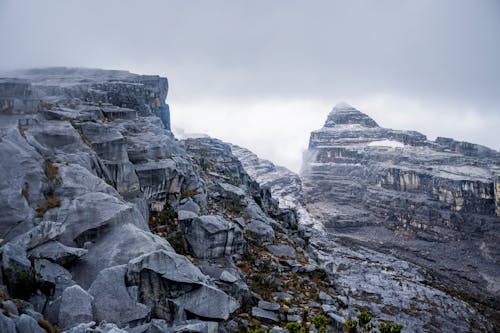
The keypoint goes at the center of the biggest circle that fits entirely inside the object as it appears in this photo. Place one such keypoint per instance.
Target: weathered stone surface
(228, 277)
(371, 280)
(282, 250)
(398, 192)
(112, 302)
(264, 315)
(194, 326)
(26, 324)
(120, 244)
(76, 307)
(208, 302)
(169, 265)
(57, 252)
(166, 278)
(54, 277)
(260, 230)
(91, 214)
(213, 236)
(7, 325)
(21, 168)
(11, 307)
(40, 234)
(268, 306)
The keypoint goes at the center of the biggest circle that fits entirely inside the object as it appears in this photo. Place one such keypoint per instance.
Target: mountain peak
(345, 114)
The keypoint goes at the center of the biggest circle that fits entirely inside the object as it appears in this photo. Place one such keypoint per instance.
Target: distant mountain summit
(344, 114)
(398, 191)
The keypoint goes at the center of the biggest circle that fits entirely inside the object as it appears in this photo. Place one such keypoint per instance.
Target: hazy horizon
(263, 75)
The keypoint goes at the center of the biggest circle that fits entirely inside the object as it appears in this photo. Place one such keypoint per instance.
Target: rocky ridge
(111, 224)
(379, 283)
(433, 203)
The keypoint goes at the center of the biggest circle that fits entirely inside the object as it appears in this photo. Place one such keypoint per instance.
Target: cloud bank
(263, 74)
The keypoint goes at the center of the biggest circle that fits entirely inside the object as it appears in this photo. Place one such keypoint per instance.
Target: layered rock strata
(434, 203)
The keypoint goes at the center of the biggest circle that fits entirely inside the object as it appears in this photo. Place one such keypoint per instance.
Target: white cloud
(279, 129)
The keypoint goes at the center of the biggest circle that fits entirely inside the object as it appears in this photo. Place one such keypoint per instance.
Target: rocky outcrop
(383, 285)
(398, 192)
(110, 224)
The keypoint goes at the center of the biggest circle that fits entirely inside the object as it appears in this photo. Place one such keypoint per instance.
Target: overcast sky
(264, 73)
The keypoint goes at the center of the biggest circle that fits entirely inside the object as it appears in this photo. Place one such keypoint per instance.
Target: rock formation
(108, 223)
(431, 202)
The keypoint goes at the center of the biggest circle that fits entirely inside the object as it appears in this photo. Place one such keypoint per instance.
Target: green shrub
(320, 322)
(350, 325)
(390, 327)
(294, 328)
(364, 318)
(255, 330)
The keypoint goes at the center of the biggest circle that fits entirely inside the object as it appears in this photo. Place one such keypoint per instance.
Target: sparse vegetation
(294, 327)
(351, 325)
(48, 327)
(50, 202)
(255, 330)
(390, 327)
(188, 193)
(320, 322)
(25, 191)
(364, 319)
(51, 170)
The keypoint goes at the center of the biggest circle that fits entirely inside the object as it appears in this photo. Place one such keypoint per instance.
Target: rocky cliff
(108, 223)
(434, 203)
(379, 283)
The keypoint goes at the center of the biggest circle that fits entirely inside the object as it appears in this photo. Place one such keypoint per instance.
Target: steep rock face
(105, 207)
(87, 156)
(385, 286)
(398, 191)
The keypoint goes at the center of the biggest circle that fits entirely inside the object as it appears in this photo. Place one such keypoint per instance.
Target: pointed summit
(344, 114)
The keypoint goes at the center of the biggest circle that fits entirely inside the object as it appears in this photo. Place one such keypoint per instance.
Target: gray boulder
(168, 265)
(11, 307)
(265, 315)
(54, 276)
(75, 308)
(91, 214)
(208, 302)
(57, 253)
(213, 236)
(40, 234)
(170, 284)
(22, 173)
(112, 301)
(282, 250)
(26, 324)
(196, 326)
(260, 230)
(268, 306)
(81, 328)
(120, 244)
(7, 325)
